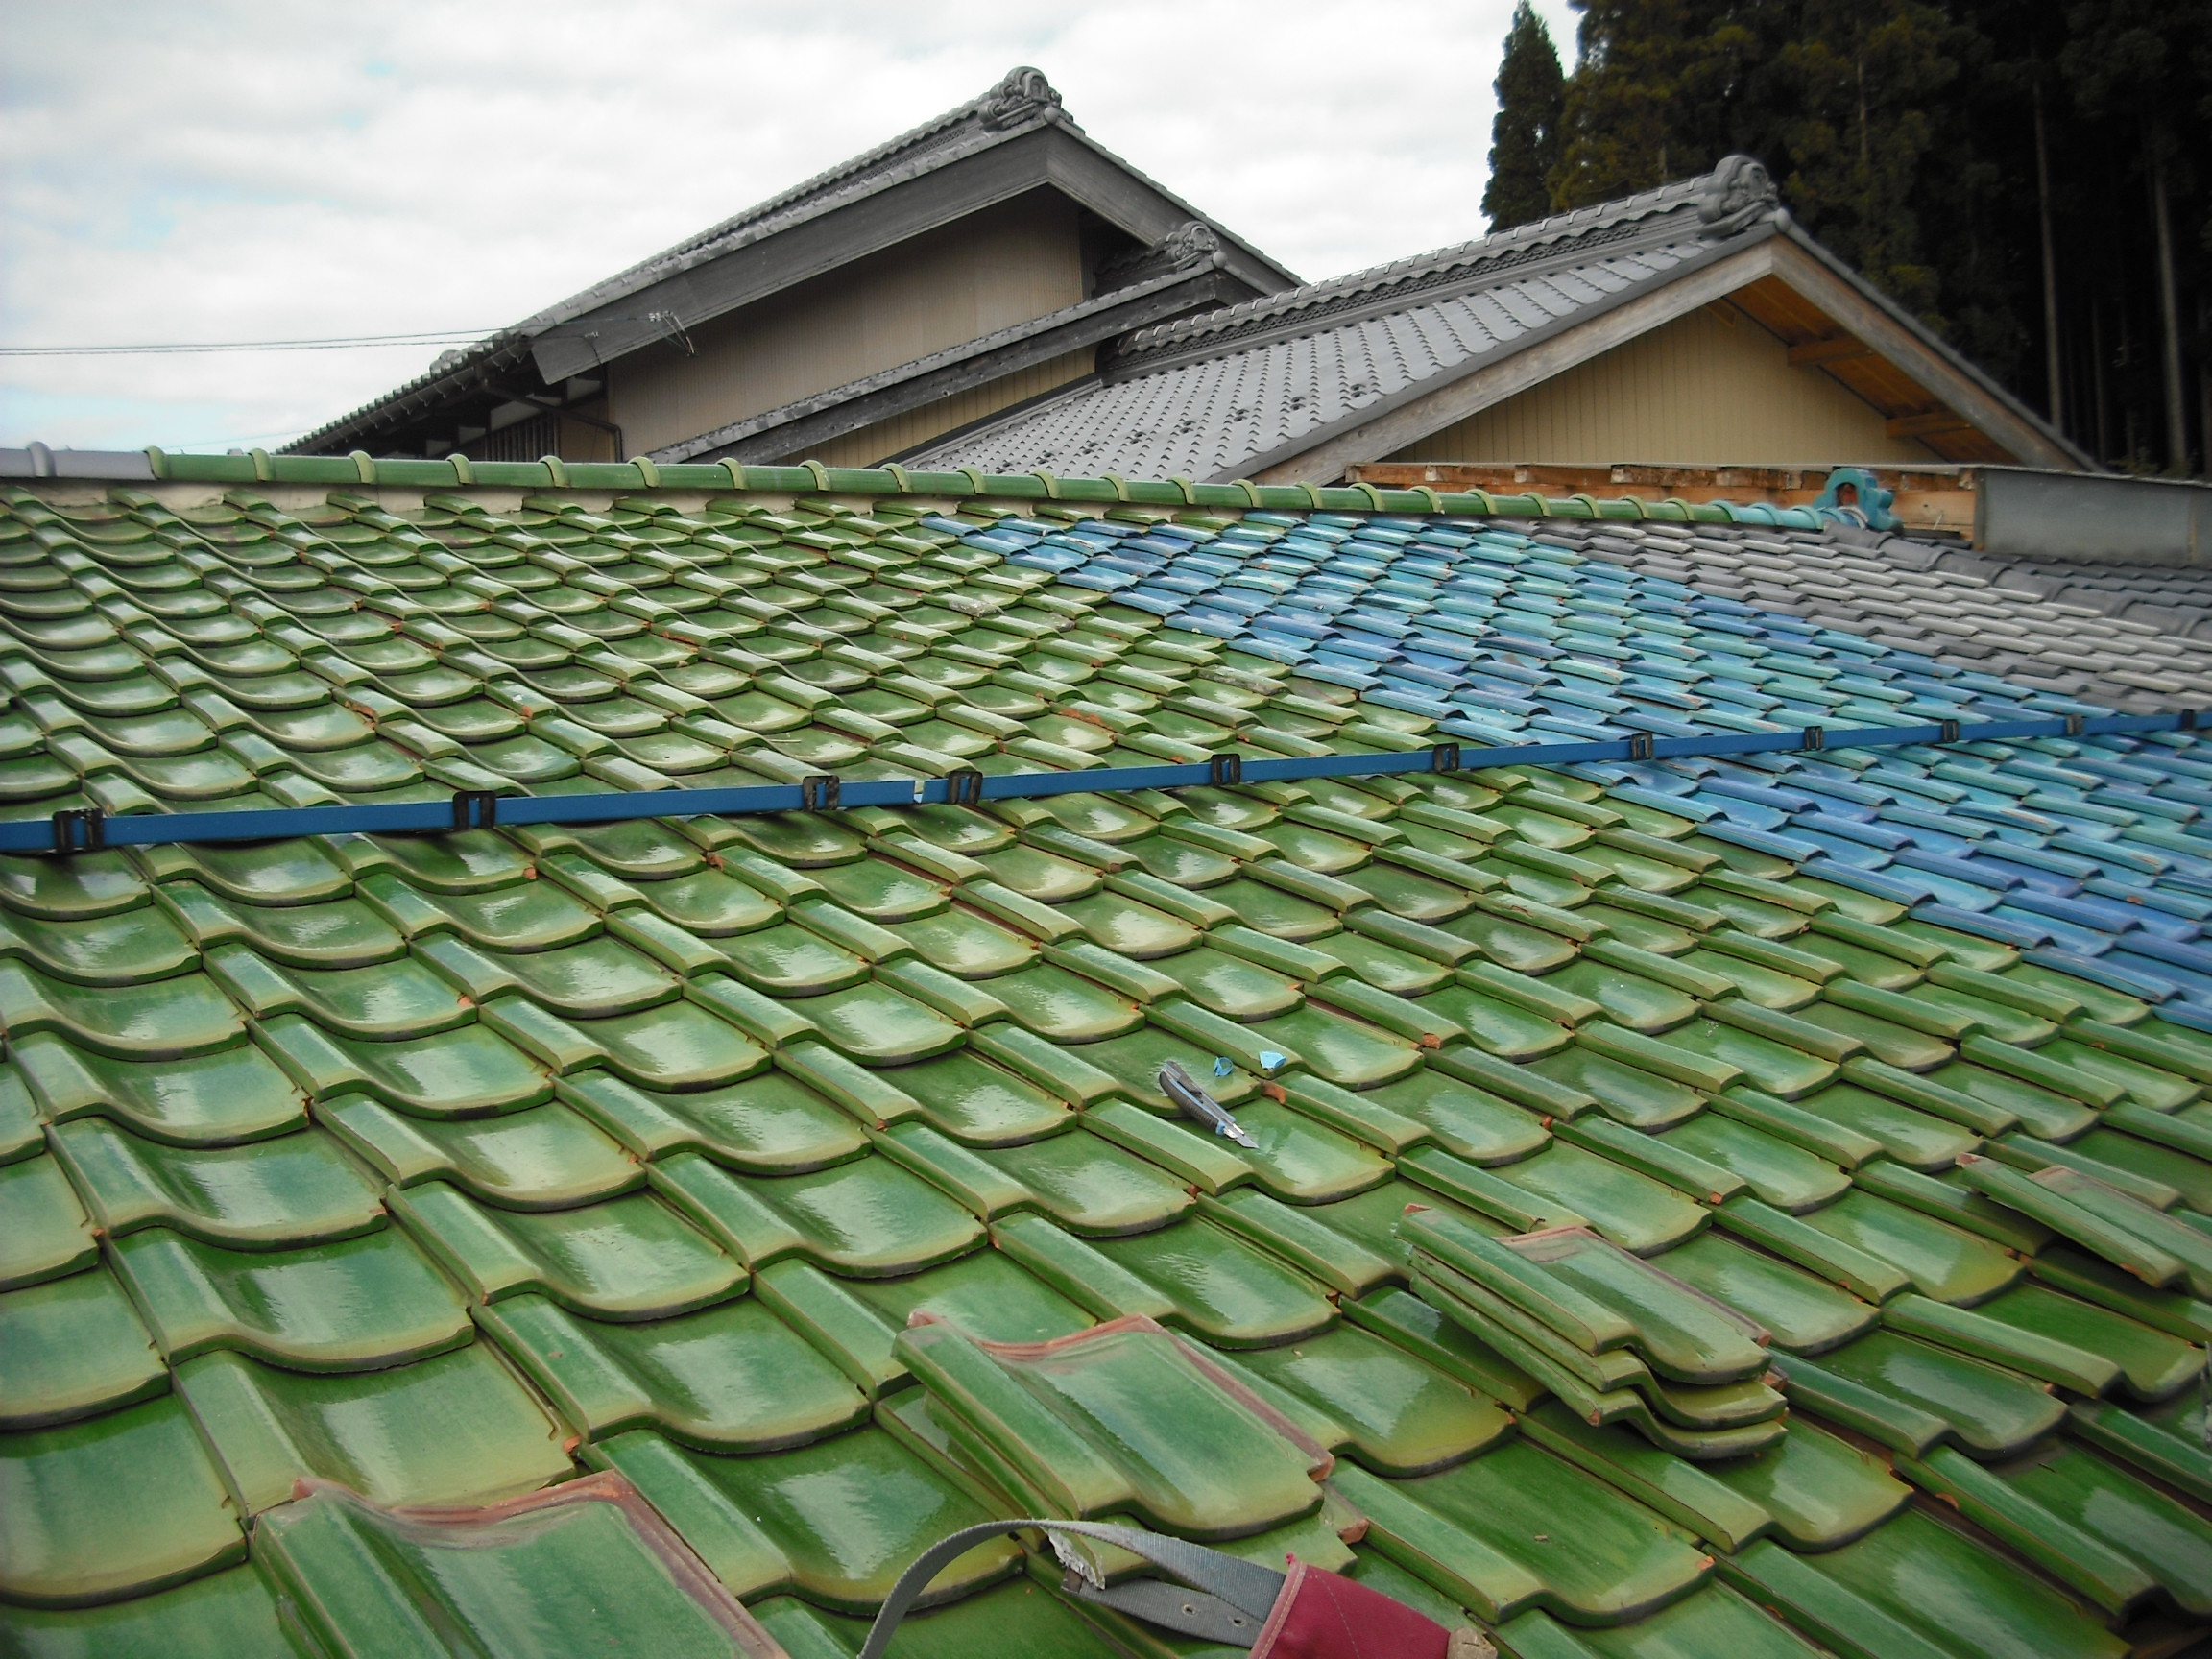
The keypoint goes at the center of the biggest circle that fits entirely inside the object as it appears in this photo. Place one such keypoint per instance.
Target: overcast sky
(285, 169)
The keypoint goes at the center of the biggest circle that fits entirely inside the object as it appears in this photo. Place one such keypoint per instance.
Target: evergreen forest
(2032, 179)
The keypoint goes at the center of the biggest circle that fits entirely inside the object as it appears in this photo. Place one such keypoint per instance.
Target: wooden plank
(1834, 350)
(1927, 422)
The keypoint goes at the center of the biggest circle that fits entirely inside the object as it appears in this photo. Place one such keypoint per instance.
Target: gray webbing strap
(1243, 1585)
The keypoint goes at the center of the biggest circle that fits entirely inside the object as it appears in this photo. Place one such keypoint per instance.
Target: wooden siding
(1710, 387)
(996, 268)
(900, 433)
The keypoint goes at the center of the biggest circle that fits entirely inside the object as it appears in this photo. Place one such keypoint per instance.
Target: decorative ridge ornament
(1022, 94)
(1735, 195)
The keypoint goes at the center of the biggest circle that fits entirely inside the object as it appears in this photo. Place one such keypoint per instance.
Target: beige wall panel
(1712, 387)
(996, 268)
(903, 432)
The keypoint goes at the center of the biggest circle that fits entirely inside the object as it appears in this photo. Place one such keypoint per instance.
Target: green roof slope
(1757, 1205)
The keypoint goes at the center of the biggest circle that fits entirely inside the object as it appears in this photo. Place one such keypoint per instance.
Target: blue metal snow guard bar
(85, 828)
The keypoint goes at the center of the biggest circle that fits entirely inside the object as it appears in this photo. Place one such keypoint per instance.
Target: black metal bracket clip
(1950, 731)
(964, 787)
(2073, 725)
(1816, 737)
(1640, 746)
(475, 808)
(1444, 758)
(2188, 719)
(79, 830)
(818, 792)
(1225, 768)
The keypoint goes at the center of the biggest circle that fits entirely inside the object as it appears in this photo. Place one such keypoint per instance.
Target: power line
(339, 343)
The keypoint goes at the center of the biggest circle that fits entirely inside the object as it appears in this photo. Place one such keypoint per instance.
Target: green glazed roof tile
(866, 1219)
(226, 1614)
(272, 1428)
(623, 1258)
(367, 1301)
(237, 1093)
(44, 1231)
(542, 1158)
(708, 1110)
(562, 1573)
(836, 1521)
(768, 1124)
(294, 1190)
(70, 1348)
(111, 1506)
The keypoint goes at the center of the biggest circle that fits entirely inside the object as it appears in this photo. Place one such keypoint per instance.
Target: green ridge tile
(578, 1571)
(628, 1258)
(227, 1614)
(1822, 1490)
(292, 1190)
(44, 1233)
(233, 1094)
(1124, 1418)
(1911, 1395)
(1944, 1261)
(770, 1124)
(867, 1218)
(358, 1303)
(1801, 1313)
(271, 1429)
(466, 1073)
(1917, 1590)
(1518, 1528)
(540, 1158)
(111, 1507)
(72, 1348)
(838, 1520)
(1220, 1288)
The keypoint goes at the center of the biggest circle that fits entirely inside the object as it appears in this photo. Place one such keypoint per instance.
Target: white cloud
(257, 169)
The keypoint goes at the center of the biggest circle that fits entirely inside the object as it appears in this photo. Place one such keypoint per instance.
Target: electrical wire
(337, 343)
